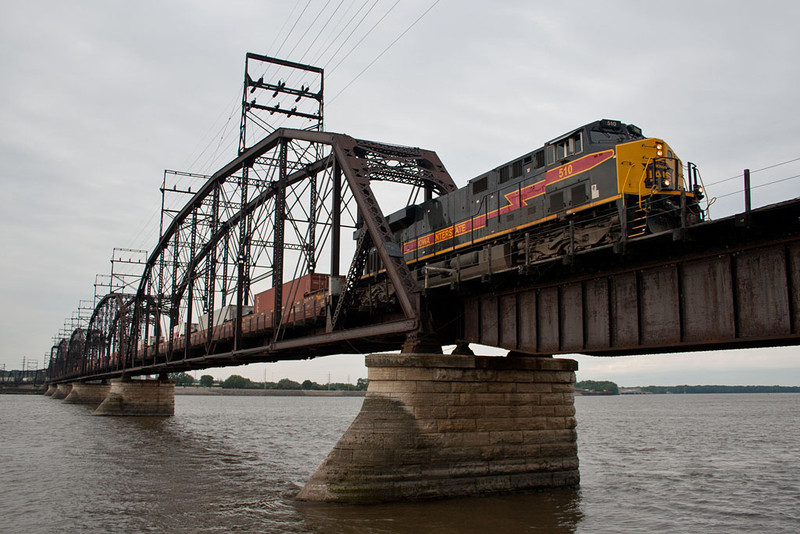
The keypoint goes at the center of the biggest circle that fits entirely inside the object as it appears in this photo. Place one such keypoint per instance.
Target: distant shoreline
(704, 390)
(228, 392)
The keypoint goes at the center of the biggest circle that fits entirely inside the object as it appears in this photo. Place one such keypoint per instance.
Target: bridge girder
(726, 284)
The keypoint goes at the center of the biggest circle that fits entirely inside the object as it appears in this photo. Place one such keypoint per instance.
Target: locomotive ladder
(638, 224)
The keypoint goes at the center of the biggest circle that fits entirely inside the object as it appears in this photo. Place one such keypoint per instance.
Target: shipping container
(293, 293)
(180, 330)
(223, 315)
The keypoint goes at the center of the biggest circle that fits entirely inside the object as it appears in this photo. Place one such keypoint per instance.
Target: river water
(658, 463)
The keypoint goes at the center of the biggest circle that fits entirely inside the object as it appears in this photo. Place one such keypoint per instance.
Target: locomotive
(599, 184)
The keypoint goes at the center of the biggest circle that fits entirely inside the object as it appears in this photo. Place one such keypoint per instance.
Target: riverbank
(21, 390)
(189, 390)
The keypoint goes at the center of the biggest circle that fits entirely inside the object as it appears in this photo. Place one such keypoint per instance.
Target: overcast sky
(99, 97)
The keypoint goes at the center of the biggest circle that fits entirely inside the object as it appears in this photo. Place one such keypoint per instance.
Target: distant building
(587, 392)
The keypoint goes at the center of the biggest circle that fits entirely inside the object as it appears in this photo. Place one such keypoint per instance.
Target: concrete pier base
(61, 392)
(139, 397)
(51, 388)
(91, 394)
(444, 426)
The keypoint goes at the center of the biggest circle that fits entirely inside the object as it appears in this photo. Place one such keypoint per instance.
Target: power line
(350, 35)
(760, 185)
(319, 33)
(344, 27)
(309, 29)
(293, 27)
(755, 171)
(384, 50)
(310, 26)
(776, 165)
(285, 22)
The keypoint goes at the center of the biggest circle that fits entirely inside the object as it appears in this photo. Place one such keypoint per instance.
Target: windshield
(606, 137)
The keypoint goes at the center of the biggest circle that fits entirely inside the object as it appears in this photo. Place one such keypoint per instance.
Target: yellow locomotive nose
(647, 166)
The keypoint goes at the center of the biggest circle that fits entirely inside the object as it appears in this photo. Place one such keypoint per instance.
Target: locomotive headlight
(698, 191)
(660, 149)
(666, 183)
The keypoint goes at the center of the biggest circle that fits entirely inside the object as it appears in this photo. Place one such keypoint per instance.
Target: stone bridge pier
(87, 393)
(454, 425)
(122, 396)
(61, 391)
(139, 397)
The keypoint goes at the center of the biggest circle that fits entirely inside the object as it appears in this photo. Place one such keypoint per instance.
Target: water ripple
(668, 463)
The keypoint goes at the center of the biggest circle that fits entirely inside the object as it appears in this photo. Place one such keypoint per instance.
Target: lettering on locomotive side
(578, 166)
(444, 234)
(463, 227)
(425, 241)
(565, 171)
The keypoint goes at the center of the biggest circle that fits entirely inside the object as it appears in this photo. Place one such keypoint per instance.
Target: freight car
(599, 184)
(305, 301)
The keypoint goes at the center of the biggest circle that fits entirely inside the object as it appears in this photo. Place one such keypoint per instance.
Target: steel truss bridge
(277, 212)
(283, 202)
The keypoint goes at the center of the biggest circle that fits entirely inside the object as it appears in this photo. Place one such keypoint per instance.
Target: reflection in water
(556, 512)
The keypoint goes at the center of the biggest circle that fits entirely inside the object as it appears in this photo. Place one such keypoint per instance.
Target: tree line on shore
(600, 387)
(240, 382)
(606, 387)
(719, 389)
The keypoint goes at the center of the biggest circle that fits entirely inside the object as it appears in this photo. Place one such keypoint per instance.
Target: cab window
(577, 143)
(570, 145)
(539, 163)
(551, 154)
